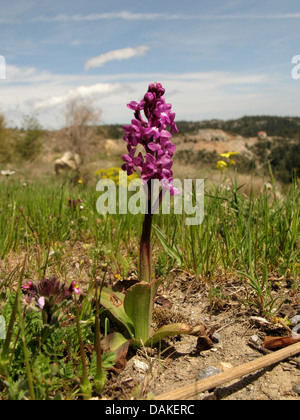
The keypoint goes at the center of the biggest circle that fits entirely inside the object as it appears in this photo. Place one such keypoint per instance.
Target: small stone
(209, 371)
(255, 340)
(140, 366)
(295, 320)
(296, 388)
(216, 337)
(225, 366)
(210, 397)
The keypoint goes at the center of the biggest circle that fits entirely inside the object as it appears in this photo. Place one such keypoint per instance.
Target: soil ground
(177, 363)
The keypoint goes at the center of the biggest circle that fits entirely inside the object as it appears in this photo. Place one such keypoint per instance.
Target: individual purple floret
(151, 131)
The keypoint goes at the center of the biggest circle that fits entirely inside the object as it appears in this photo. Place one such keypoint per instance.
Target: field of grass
(52, 228)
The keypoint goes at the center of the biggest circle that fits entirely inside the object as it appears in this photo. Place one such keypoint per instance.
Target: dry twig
(190, 391)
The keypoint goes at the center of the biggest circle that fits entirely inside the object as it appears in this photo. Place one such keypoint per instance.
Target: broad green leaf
(168, 331)
(114, 303)
(113, 342)
(173, 329)
(138, 304)
(119, 345)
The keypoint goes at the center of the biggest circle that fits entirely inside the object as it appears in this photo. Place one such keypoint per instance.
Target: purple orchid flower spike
(153, 132)
(153, 135)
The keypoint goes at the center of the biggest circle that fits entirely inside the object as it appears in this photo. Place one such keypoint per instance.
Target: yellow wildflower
(229, 154)
(221, 165)
(113, 174)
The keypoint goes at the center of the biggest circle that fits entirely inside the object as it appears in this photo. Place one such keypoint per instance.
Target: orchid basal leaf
(138, 304)
(114, 303)
(168, 331)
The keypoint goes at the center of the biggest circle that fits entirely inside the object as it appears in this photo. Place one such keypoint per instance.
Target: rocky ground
(179, 362)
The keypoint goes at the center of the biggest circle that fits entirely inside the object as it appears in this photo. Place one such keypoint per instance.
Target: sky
(218, 59)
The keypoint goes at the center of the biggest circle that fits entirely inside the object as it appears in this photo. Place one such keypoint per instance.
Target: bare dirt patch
(177, 362)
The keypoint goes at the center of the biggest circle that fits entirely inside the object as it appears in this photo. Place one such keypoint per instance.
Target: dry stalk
(262, 362)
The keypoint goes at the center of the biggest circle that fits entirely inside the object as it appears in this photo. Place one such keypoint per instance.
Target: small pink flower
(28, 286)
(41, 302)
(75, 288)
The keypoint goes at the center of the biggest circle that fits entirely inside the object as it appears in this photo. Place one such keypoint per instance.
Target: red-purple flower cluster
(153, 135)
(50, 293)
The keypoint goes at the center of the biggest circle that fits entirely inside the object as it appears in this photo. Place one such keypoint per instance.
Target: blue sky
(221, 59)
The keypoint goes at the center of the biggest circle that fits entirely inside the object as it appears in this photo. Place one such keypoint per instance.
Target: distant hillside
(245, 126)
(249, 126)
(197, 143)
(203, 141)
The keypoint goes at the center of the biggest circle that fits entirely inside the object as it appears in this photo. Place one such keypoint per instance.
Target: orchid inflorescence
(134, 309)
(153, 135)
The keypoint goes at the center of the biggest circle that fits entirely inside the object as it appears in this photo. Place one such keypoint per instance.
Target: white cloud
(16, 74)
(94, 91)
(121, 54)
(126, 15)
(194, 95)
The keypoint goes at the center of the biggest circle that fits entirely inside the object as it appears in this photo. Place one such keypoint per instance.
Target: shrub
(29, 146)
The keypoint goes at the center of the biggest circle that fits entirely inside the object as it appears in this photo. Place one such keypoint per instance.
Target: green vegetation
(281, 148)
(51, 228)
(29, 145)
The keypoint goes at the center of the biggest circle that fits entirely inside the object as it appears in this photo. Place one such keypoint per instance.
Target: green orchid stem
(145, 250)
(145, 244)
